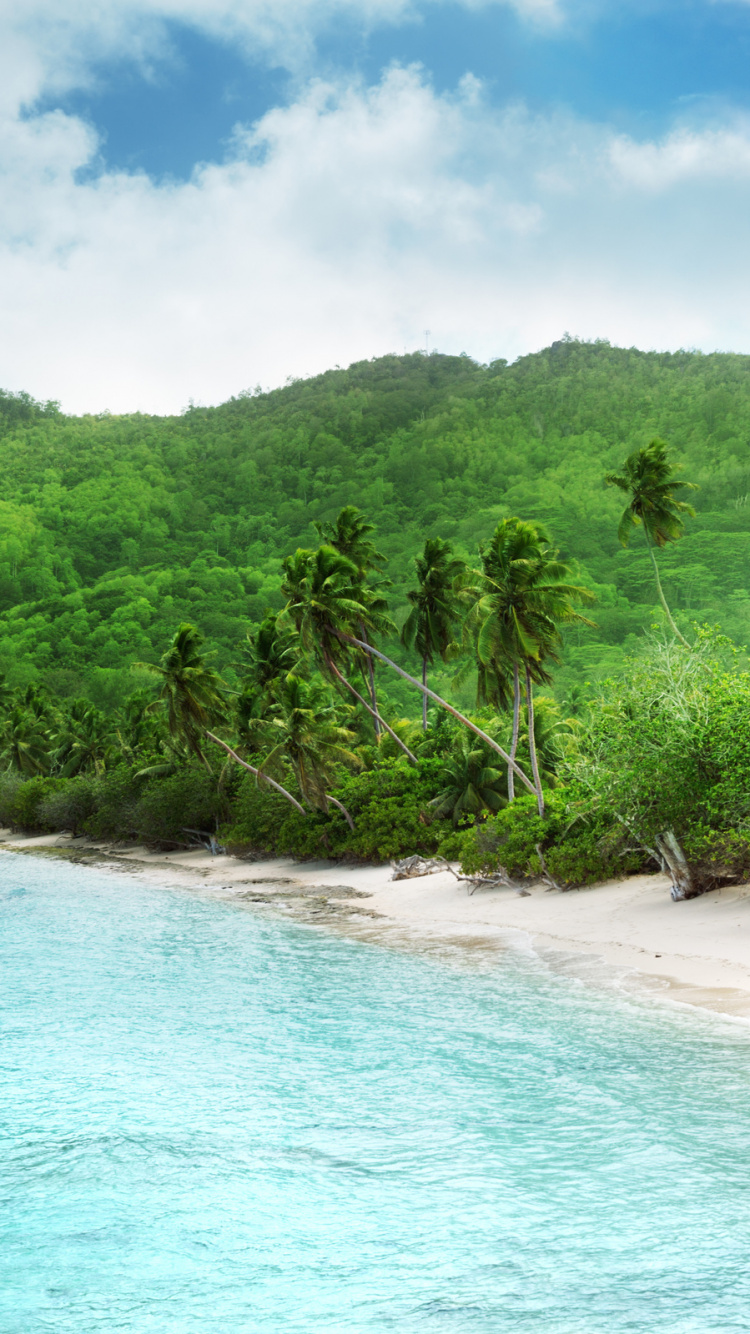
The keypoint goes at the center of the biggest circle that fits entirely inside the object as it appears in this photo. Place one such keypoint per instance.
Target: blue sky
(634, 66)
(201, 195)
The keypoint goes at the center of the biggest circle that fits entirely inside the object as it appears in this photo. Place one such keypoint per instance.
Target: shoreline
(627, 932)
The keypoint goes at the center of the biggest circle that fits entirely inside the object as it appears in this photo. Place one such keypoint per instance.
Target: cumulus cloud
(344, 225)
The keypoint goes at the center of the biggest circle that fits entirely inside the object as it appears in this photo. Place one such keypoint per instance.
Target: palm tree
(349, 535)
(430, 624)
(347, 638)
(325, 602)
(649, 479)
(309, 736)
(192, 695)
(191, 692)
(523, 599)
(85, 740)
(472, 784)
(24, 743)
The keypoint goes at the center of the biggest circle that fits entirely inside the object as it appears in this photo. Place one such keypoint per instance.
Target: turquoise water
(210, 1121)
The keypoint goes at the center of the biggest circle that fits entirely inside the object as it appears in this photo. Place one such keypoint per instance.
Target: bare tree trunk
(263, 777)
(424, 697)
(349, 639)
(532, 743)
(342, 808)
(660, 591)
(371, 681)
(683, 883)
(516, 724)
(332, 667)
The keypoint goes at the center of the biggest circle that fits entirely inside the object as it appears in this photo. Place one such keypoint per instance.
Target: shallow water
(210, 1121)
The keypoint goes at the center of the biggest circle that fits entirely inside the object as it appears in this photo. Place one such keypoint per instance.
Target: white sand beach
(696, 953)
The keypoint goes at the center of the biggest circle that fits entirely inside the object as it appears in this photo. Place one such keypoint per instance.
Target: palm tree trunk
(430, 694)
(660, 591)
(424, 697)
(516, 724)
(342, 808)
(532, 743)
(333, 668)
(264, 777)
(371, 682)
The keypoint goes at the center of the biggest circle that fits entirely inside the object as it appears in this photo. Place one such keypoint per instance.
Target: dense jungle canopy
(114, 529)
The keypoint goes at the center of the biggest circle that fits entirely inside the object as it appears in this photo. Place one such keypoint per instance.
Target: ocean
(215, 1122)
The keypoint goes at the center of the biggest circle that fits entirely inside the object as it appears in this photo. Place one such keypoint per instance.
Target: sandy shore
(628, 931)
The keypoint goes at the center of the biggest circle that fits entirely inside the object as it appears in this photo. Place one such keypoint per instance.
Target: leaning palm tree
(430, 625)
(325, 603)
(307, 734)
(350, 536)
(649, 479)
(191, 692)
(523, 598)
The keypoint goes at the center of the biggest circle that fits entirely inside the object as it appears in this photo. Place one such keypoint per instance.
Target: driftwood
(208, 841)
(411, 867)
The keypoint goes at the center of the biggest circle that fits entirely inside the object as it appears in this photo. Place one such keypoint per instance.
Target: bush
(21, 802)
(188, 799)
(70, 806)
(388, 804)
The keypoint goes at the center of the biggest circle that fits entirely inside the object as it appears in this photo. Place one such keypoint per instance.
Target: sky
(200, 197)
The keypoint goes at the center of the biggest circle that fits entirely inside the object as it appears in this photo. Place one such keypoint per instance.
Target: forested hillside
(115, 529)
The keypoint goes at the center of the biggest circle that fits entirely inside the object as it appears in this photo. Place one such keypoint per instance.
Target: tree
(523, 599)
(192, 695)
(349, 535)
(437, 699)
(650, 480)
(472, 783)
(308, 735)
(85, 740)
(430, 624)
(191, 692)
(325, 602)
(24, 743)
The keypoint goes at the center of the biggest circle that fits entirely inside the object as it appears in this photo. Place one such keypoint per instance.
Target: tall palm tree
(350, 536)
(524, 598)
(429, 627)
(191, 692)
(650, 481)
(325, 602)
(308, 735)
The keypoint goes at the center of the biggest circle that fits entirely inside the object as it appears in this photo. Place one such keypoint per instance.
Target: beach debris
(546, 877)
(208, 841)
(411, 867)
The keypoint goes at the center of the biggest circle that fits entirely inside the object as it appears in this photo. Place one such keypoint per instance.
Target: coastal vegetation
(204, 640)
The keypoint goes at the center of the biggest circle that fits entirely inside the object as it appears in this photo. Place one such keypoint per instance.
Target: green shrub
(70, 806)
(188, 799)
(9, 785)
(21, 805)
(117, 795)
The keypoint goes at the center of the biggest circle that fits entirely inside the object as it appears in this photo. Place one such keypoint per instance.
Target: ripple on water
(215, 1122)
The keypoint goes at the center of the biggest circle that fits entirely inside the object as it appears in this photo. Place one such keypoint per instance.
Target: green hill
(114, 529)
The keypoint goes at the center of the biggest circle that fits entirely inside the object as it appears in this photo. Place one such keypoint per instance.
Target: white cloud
(684, 155)
(344, 226)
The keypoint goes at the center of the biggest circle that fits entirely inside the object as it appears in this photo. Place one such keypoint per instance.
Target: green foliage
(70, 806)
(113, 530)
(389, 805)
(22, 803)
